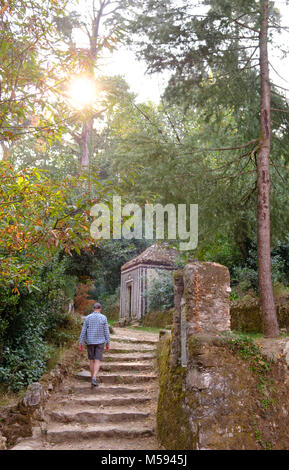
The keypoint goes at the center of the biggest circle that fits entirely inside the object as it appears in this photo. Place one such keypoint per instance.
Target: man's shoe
(94, 383)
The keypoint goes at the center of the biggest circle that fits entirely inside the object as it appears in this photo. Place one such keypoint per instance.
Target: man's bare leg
(96, 367)
(91, 367)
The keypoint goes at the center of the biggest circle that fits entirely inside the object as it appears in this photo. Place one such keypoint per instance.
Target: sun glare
(82, 92)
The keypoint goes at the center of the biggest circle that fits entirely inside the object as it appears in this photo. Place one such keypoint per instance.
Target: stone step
(107, 443)
(123, 339)
(104, 400)
(91, 416)
(118, 366)
(123, 378)
(147, 443)
(117, 348)
(68, 432)
(143, 342)
(133, 366)
(76, 388)
(129, 357)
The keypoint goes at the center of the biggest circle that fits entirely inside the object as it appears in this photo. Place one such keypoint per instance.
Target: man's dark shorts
(95, 351)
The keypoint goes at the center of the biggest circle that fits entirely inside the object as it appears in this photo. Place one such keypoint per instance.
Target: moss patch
(171, 415)
(158, 319)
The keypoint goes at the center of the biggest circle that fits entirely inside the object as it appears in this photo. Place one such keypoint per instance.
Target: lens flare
(82, 92)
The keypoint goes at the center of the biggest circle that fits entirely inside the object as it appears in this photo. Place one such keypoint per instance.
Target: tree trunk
(88, 124)
(5, 152)
(85, 137)
(263, 181)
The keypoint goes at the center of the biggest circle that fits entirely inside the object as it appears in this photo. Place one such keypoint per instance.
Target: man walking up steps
(95, 333)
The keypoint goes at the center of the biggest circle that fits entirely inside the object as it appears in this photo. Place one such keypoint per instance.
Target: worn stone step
(126, 378)
(129, 357)
(117, 348)
(81, 388)
(123, 378)
(107, 443)
(123, 339)
(67, 432)
(104, 400)
(91, 416)
(133, 366)
(120, 366)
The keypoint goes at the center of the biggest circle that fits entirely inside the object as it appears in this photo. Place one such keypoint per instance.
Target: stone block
(33, 396)
(206, 297)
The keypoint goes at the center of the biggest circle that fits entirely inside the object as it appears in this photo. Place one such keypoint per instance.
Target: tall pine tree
(218, 54)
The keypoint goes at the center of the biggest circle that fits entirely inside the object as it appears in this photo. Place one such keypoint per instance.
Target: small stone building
(137, 276)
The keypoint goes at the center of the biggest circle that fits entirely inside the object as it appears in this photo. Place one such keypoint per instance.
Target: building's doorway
(129, 301)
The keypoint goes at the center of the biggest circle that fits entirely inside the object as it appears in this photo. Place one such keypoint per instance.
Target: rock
(39, 414)
(2, 442)
(33, 396)
(272, 348)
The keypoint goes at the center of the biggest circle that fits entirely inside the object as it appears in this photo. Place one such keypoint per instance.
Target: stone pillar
(206, 297)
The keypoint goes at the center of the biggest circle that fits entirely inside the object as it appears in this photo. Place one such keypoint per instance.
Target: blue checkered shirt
(95, 329)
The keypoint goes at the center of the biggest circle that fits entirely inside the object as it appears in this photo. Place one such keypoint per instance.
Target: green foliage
(34, 321)
(211, 102)
(24, 352)
(27, 73)
(245, 347)
(222, 250)
(101, 264)
(38, 218)
(160, 295)
(110, 304)
(245, 277)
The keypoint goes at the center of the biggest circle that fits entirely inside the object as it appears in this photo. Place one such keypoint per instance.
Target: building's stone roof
(155, 255)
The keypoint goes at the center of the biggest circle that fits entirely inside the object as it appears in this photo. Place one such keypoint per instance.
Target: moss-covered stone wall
(228, 397)
(246, 314)
(173, 427)
(158, 319)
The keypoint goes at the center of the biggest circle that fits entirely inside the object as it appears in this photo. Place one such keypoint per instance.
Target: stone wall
(230, 394)
(246, 314)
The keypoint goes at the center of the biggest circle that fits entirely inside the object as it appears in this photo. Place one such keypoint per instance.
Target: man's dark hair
(96, 306)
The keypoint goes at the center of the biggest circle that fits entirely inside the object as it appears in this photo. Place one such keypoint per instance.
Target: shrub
(160, 295)
(83, 302)
(30, 321)
(24, 356)
(110, 305)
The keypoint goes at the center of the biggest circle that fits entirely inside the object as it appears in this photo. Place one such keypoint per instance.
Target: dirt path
(118, 415)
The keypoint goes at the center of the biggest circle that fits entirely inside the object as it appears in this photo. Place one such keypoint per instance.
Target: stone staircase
(119, 414)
